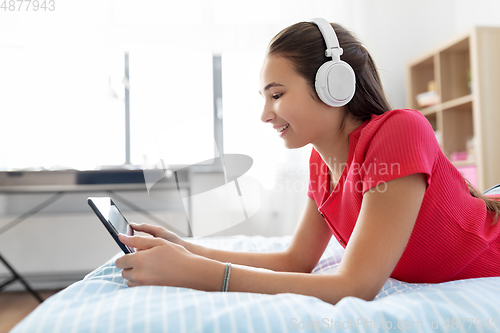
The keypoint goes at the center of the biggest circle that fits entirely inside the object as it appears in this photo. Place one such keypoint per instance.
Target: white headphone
(335, 80)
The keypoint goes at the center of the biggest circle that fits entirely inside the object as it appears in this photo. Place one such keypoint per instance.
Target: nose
(267, 114)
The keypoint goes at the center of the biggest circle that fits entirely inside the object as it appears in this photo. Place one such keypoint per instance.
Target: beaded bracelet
(225, 283)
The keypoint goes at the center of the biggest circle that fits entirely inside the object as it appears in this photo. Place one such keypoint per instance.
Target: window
(171, 106)
(65, 107)
(58, 109)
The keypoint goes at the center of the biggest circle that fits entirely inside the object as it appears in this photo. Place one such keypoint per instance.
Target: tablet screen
(111, 213)
(117, 220)
(112, 218)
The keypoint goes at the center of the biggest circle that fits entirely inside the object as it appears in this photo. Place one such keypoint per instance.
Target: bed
(102, 302)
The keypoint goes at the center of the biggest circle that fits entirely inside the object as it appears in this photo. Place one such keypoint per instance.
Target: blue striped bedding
(102, 302)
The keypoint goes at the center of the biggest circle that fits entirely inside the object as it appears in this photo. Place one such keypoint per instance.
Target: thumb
(139, 242)
(154, 231)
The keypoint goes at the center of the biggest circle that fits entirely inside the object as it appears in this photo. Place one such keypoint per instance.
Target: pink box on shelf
(459, 156)
(470, 173)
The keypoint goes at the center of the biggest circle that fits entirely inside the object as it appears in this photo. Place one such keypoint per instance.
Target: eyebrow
(270, 85)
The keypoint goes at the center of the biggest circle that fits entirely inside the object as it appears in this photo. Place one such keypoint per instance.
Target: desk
(58, 190)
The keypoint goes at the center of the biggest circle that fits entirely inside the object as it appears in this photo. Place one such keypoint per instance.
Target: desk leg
(18, 277)
(12, 224)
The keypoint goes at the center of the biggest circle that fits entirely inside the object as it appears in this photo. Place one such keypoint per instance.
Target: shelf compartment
(435, 120)
(432, 118)
(421, 73)
(455, 71)
(457, 129)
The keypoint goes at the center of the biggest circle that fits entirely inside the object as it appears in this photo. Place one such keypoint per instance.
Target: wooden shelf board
(457, 102)
(426, 60)
(429, 110)
(464, 163)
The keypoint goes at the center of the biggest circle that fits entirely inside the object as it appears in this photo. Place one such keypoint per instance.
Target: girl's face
(292, 108)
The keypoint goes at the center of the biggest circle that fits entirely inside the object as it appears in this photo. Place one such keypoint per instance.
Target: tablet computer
(113, 220)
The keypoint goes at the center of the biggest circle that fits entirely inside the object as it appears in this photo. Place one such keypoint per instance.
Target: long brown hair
(492, 205)
(303, 44)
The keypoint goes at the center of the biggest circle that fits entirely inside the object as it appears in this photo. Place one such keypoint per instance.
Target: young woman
(379, 183)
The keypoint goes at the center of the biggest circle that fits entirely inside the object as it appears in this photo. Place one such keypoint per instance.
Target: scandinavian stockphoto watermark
(354, 177)
(226, 195)
(462, 323)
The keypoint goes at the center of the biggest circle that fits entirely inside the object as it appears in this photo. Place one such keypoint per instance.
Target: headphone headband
(333, 48)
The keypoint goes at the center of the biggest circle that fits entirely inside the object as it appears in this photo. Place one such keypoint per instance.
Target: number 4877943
(28, 5)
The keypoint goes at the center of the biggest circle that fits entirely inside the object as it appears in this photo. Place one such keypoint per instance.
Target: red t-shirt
(453, 237)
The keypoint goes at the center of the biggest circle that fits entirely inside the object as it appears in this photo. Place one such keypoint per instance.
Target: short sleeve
(403, 144)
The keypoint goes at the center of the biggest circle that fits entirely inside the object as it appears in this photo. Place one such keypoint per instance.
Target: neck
(334, 150)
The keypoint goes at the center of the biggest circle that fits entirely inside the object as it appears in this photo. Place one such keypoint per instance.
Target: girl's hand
(164, 263)
(159, 232)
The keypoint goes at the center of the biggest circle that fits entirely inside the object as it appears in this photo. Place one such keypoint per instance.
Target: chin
(293, 145)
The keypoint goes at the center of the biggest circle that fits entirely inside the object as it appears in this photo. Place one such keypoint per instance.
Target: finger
(130, 230)
(123, 262)
(140, 242)
(134, 225)
(127, 275)
(148, 228)
(132, 284)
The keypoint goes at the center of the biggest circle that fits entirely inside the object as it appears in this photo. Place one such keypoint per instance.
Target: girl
(379, 183)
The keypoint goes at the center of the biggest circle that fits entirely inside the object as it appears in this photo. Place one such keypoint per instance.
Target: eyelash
(277, 96)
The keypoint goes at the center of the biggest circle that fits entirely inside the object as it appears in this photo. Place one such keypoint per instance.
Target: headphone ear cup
(335, 83)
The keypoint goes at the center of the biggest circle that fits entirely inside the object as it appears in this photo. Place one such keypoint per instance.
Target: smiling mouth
(281, 129)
